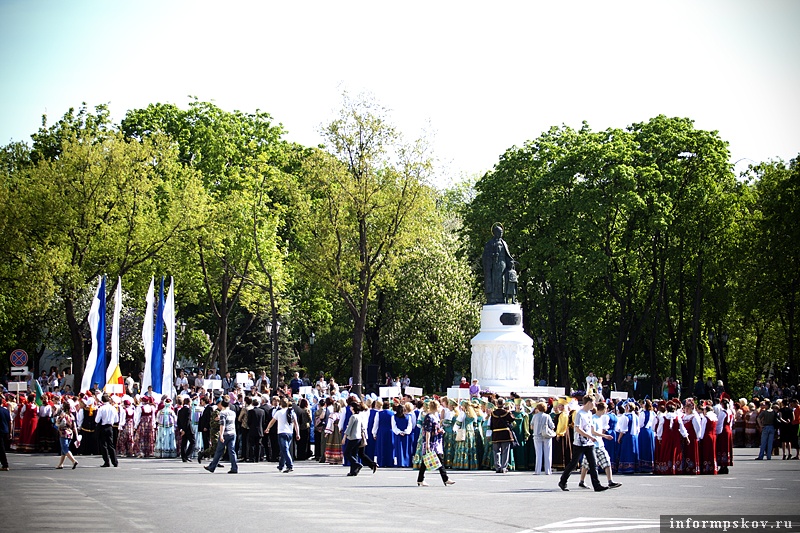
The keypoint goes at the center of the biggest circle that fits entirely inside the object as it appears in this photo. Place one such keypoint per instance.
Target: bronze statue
(497, 262)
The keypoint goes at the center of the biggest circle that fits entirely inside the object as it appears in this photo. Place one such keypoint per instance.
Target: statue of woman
(496, 261)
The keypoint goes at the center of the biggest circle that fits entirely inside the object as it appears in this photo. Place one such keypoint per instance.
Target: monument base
(502, 354)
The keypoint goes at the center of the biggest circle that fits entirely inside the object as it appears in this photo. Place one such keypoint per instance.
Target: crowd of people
(330, 425)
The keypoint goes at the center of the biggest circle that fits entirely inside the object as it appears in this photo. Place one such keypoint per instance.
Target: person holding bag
(433, 454)
(543, 431)
(355, 435)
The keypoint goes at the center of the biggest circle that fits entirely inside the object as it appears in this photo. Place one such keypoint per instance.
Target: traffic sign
(19, 370)
(19, 357)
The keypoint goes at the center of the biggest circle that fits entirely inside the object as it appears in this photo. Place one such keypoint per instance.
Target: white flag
(91, 361)
(113, 363)
(147, 339)
(167, 384)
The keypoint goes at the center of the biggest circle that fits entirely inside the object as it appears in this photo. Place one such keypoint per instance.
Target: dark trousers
(3, 445)
(442, 471)
(254, 447)
(355, 454)
(188, 444)
(577, 454)
(106, 435)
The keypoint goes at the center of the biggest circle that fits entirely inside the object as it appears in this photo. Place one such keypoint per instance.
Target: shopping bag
(431, 460)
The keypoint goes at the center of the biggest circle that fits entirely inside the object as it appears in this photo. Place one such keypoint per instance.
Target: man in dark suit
(204, 424)
(185, 426)
(255, 431)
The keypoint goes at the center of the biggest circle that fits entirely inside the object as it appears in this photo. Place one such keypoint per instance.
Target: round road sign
(19, 357)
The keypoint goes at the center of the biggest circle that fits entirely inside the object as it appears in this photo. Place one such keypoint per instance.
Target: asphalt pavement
(168, 495)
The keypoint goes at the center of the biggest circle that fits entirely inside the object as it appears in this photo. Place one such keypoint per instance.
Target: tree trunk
(358, 349)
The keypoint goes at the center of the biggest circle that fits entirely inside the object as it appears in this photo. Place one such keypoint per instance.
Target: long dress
(372, 441)
(145, 431)
(126, 441)
(562, 442)
(691, 450)
(384, 442)
(669, 459)
(333, 441)
(165, 434)
(89, 444)
(724, 445)
(647, 442)
(751, 437)
(342, 425)
(449, 442)
(46, 434)
(708, 447)
(522, 430)
(628, 444)
(419, 443)
(402, 443)
(465, 456)
(197, 412)
(27, 437)
(611, 445)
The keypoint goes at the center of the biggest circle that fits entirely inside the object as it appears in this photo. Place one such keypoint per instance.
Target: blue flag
(157, 356)
(99, 374)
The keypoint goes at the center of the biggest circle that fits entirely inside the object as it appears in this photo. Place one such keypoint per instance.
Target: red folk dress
(708, 447)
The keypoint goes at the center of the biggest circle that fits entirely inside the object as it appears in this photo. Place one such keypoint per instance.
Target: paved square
(168, 495)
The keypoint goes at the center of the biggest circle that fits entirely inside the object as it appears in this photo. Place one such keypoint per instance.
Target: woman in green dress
(449, 414)
(465, 455)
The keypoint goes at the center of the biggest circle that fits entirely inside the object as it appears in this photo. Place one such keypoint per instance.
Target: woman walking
(355, 435)
(432, 436)
(66, 431)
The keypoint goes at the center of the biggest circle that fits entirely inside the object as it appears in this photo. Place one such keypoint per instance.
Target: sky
(476, 77)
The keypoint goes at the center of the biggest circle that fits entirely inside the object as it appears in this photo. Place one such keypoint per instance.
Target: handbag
(546, 432)
(431, 460)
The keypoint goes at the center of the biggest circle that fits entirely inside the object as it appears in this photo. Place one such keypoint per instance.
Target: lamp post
(272, 333)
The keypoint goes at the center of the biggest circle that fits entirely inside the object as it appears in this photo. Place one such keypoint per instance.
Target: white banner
(389, 392)
(114, 361)
(94, 319)
(147, 338)
(414, 391)
(168, 381)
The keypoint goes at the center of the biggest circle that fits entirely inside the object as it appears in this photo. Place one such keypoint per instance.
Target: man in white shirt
(227, 438)
(583, 446)
(107, 415)
(287, 425)
(600, 425)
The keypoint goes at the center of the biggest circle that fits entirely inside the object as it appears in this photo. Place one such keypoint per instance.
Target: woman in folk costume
(29, 417)
(562, 442)
(611, 445)
(449, 414)
(373, 424)
(647, 438)
(418, 413)
(145, 434)
(724, 434)
(628, 440)
(46, 433)
(693, 423)
(197, 412)
(87, 411)
(384, 440)
(465, 456)
(752, 437)
(521, 430)
(671, 434)
(333, 437)
(708, 446)
(127, 423)
(165, 431)
(346, 412)
(402, 428)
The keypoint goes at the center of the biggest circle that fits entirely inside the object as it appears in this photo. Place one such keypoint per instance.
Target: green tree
(237, 154)
(368, 205)
(89, 202)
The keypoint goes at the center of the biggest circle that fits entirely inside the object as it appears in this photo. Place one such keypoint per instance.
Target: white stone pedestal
(502, 354)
